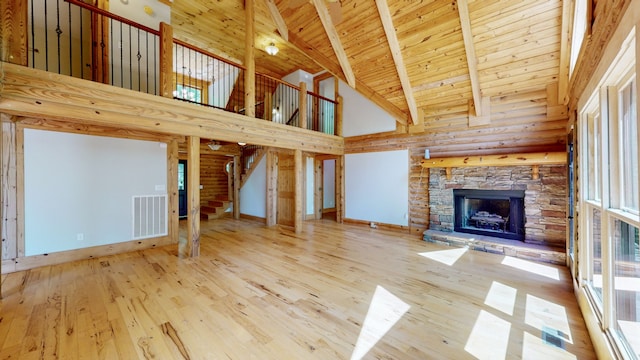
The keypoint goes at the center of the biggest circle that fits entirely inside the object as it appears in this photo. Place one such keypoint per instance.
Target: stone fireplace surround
(545, 208)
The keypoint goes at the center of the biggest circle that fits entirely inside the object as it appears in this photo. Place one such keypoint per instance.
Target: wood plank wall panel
(9, 194)
(213, 178)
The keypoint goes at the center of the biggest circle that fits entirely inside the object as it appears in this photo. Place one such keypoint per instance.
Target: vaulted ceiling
(414, 58)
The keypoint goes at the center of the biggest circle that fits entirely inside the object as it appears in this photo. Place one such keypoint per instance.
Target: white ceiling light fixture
(271, 49)
(242, 143)
(213, 145)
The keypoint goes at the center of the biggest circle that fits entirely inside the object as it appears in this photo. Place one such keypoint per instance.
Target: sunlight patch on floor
(532, 267)
(384, 311)
(447, 257)
(544, 315)
(534, 348)
(501, 297)
(489, 338)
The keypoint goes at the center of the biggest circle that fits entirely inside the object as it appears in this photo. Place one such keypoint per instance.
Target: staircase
(220, 207)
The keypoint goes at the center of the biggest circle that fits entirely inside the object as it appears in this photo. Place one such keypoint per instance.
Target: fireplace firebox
(498, 213)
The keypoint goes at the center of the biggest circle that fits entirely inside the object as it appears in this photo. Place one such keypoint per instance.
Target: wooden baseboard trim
(31, 262)
(393, 227)
(251, 217)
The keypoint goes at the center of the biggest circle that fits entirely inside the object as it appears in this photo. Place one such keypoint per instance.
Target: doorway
(182, 188)
(327, 187)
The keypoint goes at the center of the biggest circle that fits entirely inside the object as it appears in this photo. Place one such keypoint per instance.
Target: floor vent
(149, 216)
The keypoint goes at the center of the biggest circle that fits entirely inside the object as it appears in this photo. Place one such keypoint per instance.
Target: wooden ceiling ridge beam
(332, 33)
(481, 104)
(281, 25)
(394, 45)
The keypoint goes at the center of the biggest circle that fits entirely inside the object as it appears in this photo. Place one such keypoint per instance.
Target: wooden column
(317, 191)
(13, 33)
(236, 186)
(299, 190)
(166, 60)
(249, 60)
(172, 190)
(302, 105)
(338, 115)
(272, 187)
(192, 245)
(2, 201)
(427, 175)
(268, 106)
(339, 189)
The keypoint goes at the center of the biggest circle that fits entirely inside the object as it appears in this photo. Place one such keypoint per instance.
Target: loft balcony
(144, 79)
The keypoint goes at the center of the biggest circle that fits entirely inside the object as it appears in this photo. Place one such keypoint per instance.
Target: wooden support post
(448, 173)
(192, 245)
(338, 116)
(317, 191)
(13, 47)
(236, 186)
(340, 189)
(166, 60)
(100, 40)
(302, 105)
(249, 60)
(427, 174)
(268, 106)
(172, 190)
(2, 202)
(299, 190)
(272, 187)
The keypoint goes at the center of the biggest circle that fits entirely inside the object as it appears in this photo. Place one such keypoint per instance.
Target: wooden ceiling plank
(332, 33)
(563, 77)
(394, 45)
(278, 19)
(472, 62)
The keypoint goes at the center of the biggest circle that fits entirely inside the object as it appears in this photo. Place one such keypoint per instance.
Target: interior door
(182, 188)
(286, 190)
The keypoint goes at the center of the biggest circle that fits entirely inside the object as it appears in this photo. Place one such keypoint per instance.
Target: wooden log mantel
(531, 159)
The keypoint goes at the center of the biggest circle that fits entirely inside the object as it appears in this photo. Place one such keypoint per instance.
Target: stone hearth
(514, 248)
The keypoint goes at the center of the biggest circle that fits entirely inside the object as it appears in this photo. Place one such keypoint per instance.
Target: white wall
(253, 195)
(80, 184)
(310, 163)
(329, 184)
(361, 116)
(377, 187)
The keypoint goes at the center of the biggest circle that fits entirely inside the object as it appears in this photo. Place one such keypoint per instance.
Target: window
(579, 31)
(188, 93)
(626, 281)
(610, 266)
(628, 125)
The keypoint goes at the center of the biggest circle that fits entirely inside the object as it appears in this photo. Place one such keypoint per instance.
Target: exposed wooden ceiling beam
(278, 19)
(330, 29)
(472, 61)
(394, 45)
(321, 59)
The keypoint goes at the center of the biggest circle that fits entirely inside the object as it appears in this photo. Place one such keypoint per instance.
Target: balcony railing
(76, 39)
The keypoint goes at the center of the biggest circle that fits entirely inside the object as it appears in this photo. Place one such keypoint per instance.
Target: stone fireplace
(497, 213)
(544, 202)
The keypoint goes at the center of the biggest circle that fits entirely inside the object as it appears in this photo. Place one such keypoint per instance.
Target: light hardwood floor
(267, 293)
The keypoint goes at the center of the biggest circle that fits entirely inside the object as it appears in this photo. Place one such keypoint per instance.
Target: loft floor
(268, 293)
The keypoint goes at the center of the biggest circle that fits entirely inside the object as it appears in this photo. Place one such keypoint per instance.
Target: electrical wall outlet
(80, 237)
